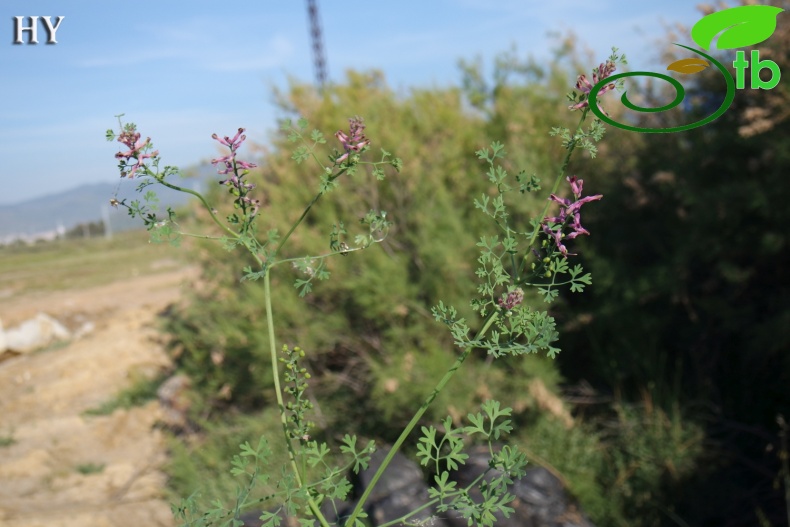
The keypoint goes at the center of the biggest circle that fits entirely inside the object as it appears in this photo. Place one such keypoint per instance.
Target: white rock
(36, 333)
(2, 338)
(84, 329)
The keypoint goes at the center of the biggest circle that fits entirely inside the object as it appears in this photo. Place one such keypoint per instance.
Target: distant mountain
(86, 203)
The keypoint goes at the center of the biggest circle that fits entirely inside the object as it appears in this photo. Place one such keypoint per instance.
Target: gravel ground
(59, 468)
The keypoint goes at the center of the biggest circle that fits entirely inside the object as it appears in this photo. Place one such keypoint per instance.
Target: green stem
(514, 265)
(203, 200)
(414, 420)
(280, 404)
(200, 236)
(302, 217)
(403, 518)
(565, 162)
(318, 257)
(560, 176)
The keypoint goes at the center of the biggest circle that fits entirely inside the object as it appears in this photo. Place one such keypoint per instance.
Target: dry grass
(80, 263)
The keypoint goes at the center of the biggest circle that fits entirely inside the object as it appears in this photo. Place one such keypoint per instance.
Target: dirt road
(59, 468)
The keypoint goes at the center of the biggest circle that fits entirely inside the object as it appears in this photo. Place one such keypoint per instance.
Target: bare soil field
(58, 466)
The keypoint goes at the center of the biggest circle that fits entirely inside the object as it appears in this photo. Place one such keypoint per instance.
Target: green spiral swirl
(680, 94)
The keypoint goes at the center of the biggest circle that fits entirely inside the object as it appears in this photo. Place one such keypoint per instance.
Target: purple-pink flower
(131, 138)
(582, 84)
(569, 214)
(355, 140)
(230, 159)
(512, 299)
(557, 235)
(238, 186)
(234, 143)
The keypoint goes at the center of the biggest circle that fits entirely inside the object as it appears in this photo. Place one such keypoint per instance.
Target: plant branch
(203, 200)
(414, 420)
(280, 404)
(304, 214)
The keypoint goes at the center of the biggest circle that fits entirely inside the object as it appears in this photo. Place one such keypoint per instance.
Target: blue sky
(185, 70)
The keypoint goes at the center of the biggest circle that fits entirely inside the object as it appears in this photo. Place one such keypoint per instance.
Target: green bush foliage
(690, 296)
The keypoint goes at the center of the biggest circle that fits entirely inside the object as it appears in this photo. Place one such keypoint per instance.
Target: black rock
(541, 499)
(400, 490)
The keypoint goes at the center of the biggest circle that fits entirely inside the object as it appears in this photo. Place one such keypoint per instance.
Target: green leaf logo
(742, 26)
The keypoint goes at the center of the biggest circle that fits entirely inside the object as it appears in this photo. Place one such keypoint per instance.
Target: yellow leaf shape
(691, 65)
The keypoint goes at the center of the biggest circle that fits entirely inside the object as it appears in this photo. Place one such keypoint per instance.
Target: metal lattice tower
(318, 47)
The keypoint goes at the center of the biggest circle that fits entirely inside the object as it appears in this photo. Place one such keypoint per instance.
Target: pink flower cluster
(569, 213)
(230, 159)
(131, 138)
(582, 84)
(238, 186)
(355, 141)
(512, 299)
